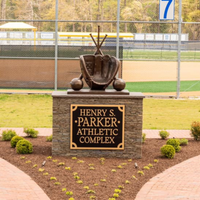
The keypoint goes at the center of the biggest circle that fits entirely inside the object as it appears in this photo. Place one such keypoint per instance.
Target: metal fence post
(118, 19)
(56, 48)
(179, 49)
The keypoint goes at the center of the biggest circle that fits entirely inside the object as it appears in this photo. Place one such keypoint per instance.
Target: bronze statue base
(98, 92)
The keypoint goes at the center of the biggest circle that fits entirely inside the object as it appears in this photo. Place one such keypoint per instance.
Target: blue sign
(167, 8)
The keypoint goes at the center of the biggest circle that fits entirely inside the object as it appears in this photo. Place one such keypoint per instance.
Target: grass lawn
(170, 114)
(25, 111)
(159, 55)
(36, 111)
(152, 86)
(162, 86)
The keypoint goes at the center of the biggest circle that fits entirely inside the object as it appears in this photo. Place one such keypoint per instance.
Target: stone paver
(180, 182)
(16, 185)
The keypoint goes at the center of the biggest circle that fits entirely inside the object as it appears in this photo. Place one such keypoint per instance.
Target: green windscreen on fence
(48, 51)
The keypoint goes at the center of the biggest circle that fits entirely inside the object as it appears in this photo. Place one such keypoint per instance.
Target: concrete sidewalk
(149, 133)
(20, 131)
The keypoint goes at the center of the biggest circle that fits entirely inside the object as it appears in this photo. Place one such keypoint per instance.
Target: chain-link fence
(147, 56)
(136, 46)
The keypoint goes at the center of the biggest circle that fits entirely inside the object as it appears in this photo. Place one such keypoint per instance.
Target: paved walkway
(20, 131)
(16, 185)
(173, 133)
(24, 91)
(149, 133)
(179, 182)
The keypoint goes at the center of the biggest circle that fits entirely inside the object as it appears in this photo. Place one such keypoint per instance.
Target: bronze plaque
(97, 127)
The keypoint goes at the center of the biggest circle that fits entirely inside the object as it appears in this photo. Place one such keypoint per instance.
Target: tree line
(130, 10)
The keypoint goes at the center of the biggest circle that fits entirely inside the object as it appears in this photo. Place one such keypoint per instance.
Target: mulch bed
(102, 175)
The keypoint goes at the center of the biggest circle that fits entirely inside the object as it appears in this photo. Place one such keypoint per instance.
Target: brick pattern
(178, 182)
(132, 130)
(16, 185)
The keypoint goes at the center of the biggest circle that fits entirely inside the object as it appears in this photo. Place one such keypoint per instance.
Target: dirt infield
(136, 71)
(139, 71)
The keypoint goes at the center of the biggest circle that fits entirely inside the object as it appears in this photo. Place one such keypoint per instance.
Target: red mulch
(104, 190)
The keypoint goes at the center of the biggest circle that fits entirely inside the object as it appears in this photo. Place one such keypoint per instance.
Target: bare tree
(3, 9)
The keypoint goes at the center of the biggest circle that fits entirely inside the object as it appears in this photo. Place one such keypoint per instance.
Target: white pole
(56, 47)
(179, 49)
(118, 18)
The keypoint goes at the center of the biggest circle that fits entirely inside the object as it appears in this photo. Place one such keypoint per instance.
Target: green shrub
(15, 140)
(8, 135)
(164, 134)
(168, 151)
(195, 130)
(143, 137)
(183, 142)
(178, 149)
(49, 138)
(31, 132)
(175, 143)
(24, 147)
